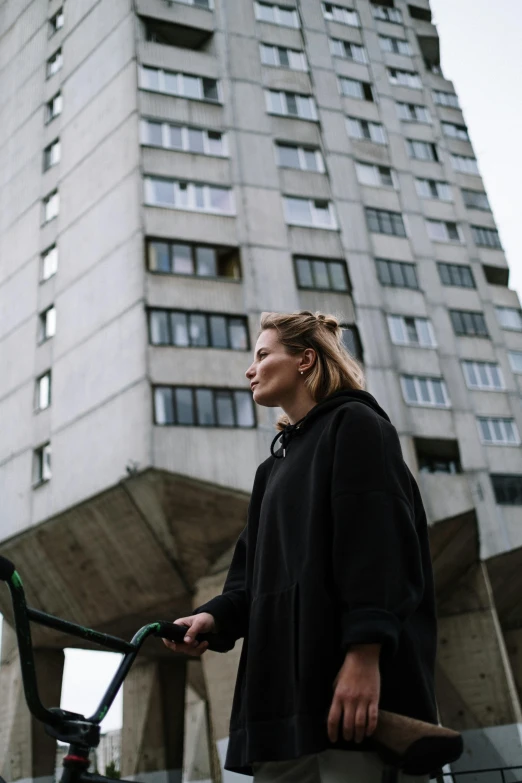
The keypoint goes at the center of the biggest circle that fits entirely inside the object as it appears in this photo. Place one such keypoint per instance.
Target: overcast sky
(481, 53)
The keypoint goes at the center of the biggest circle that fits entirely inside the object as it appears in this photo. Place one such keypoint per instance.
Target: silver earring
(302, 372)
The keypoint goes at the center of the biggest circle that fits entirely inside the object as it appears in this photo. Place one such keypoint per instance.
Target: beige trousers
(330, 766)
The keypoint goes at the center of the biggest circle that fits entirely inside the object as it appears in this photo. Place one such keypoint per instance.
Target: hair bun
(328, 320)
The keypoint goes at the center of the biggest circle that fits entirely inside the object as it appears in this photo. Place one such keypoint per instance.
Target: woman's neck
(297, 408)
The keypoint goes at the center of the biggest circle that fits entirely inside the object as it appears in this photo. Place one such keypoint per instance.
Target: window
(54, 63)
(348, 50)
(183, 138)
(413, 112)
(483, 375)
(433, 188)
(51, 206)
(309, 212)
(386, 14)
(395, 45)
(202, 330)
(284, 58)
(47, 325)
(498, 431)
(321, 274)
(422, 150)
(443, 231)
(378, 176)
(276, 14)
(199, 3)
(409, 330)
(351, 88)
(446, 99)
(381, 221)
(49, 263)
(364, 129)
(396, 273)
(195, 260)
(509, 318)
(465, 164)
(200, 407)
(43, 391)
(54, 107)
(290, 104)
(486, 237)
(42, 464)
(294, 157)
(455, 131)
(438, 456)
(468, 323)
(188, 195)
(405, 78)
(352, 341)
(507, 489)
(52, 155)
(476, 199)
(56, 22)
(459, 275)
(496, 275)
(422, 390)
(337, 13)
(184, 85)
(515, 360)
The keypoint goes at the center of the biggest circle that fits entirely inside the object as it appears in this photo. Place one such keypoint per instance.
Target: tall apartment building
(169, 170)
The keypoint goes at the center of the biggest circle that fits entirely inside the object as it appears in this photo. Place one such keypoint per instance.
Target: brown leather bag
(413, 746)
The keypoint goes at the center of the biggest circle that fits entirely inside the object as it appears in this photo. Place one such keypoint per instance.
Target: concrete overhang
(126, 557)
(505, 574)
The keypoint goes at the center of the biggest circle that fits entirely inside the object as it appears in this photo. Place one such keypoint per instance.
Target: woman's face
(274, 373)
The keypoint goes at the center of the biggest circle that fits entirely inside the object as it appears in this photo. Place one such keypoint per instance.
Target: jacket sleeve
(230, 609)
(376, 553)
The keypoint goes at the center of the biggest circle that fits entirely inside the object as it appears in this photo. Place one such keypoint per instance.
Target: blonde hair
(334, 369)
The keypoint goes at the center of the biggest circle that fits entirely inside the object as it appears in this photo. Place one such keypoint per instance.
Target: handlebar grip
(176, 633)
(7, 569)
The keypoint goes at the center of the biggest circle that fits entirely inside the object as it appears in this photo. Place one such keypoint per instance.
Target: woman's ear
(308, 360)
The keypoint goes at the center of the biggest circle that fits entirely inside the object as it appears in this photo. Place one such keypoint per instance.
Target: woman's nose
(250, 371)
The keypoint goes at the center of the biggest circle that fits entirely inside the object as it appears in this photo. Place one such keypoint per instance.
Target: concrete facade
(148, 511)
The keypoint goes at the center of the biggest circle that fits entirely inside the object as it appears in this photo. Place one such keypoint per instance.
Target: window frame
(436, 182)
(207, 315)
(512, 361)
(376, 167)
(301, 150)
(406, 342)
(429, 384)
(465, 191)
(395, 49)
(54, 64)
(48, 252)
(501, 423)
(51, 206)
(50, 107)
(333, 226)
(445, 223)
(366, 89)
(53, 26)
(413, 82)
(193, 246)
(348, 46)
(179, 77)
(194, 389)
(190, 187)
(486, 231)
(500, 308)
(473, 170)
(303, 68)
(444, 102)
(185, 131)
(361, 121)
(284, 102)
(48, 161)
(380, 213)
(475, 365)
(42, 464)
(415, 118)
(382, 14)
(506, 491)
(329, 262)
(38, 392)
(411, 148)
(444, 267)
(476, 316)
(464, 135)
(346, 14)
(402, 265)
(277, 8)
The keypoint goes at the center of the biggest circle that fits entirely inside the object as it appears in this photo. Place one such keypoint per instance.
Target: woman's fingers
(373, 717)
(360, 720)
(349, 710)
(333, 719)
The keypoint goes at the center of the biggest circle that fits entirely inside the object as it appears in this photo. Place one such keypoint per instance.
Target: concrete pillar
(26, 752)
(220, 671)
(475, 685)
(153, 721)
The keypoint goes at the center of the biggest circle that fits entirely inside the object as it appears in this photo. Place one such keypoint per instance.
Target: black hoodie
(335, 552)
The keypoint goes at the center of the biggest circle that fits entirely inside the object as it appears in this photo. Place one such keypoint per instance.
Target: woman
(331, 581)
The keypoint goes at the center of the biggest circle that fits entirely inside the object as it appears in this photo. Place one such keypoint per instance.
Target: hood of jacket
(330, 403)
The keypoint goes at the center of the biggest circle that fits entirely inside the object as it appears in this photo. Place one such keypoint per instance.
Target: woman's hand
(196, 623)
(356, 695)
